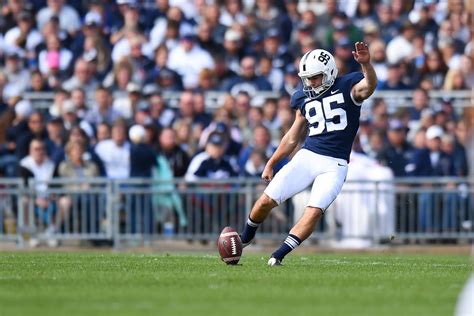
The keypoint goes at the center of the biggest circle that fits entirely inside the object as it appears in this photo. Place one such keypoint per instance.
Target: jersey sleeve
(297, 100)
(353, 79)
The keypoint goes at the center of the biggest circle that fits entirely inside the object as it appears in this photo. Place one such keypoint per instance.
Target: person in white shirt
(38, 166)
(69, 19)
(401, 47)
(115, 152)
(23, 36)
(188, 59)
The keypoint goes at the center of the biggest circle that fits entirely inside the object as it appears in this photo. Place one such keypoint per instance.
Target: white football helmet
(315, 62)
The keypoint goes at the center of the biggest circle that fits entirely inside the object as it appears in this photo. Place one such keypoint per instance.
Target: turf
(173, 284)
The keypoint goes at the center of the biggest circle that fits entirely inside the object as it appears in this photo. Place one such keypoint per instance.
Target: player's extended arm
(364, 88)
(287, 144)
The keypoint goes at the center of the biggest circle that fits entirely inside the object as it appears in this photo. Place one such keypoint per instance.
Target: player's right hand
(267, 173)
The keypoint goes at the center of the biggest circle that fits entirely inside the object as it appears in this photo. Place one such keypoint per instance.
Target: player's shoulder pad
(297, 99)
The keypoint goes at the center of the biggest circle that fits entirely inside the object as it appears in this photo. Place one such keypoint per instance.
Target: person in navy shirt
(327, 117)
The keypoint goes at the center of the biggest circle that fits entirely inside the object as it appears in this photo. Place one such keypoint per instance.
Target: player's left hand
(361, 53)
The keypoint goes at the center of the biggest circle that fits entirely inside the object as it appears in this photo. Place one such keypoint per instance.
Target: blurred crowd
(108, 63)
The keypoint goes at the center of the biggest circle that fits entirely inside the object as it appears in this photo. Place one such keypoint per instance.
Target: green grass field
(34, 283)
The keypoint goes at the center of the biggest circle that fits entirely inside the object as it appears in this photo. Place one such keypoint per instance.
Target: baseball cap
(232, 35)
(165, 74)
(151, 89)
(188, 36)
(136, 133)
(68, 107)
(129, 2)
(434, 131)
(273, 33)
(395, 125)
(133, 87)
(215, 139)
(93, 18)
(24, 15)
(23, 108)
(221, 127)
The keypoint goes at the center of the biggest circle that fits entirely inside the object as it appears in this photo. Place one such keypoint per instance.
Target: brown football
(229, 245)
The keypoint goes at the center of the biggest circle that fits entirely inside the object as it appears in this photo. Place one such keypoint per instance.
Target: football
(229, 245)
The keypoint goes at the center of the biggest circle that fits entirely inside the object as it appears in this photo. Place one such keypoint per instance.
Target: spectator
(457, 153)
(223, 73)
(80, 102)
(401, 47)
(269, 16)
(397, 153)
(364, 14)
(9, 14)
(277, 51)
(248, 80)
(76, 167)
(158, 33)
(211, 163)
(17, 76)
(205, 39)
(273, 75)
(78, 135)
(55, 60)
(188, 59)
(233, 48)
(174, 154)
(37, 83)
(432, 162)
(69, 19)
(37, 165)
(159, 112)
(419, 103)
(128, 105)
(24, 36)
(103, 110)
(212, 17)
(142, 157)
(36, 130)
(115, 152)
(454, 80)
(161, 61)
(119, 78)
(232, 13)
(394, 79)
(200, 115)
(434, 70)
(262, 147)
(82, 78)
(378, 59)
(56, 135)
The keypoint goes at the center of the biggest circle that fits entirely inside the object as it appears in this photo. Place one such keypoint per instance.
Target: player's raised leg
(259, 212)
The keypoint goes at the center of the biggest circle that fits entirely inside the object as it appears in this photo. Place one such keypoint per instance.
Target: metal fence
(213, 99)
(141, 210)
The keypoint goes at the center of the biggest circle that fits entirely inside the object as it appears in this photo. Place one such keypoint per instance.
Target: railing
(213, 99)
(142, 210)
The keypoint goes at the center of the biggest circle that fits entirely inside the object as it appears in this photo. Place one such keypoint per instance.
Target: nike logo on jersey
(332, 92)
(340, 165)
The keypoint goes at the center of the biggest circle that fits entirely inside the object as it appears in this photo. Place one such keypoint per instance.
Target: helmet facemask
(313, 92)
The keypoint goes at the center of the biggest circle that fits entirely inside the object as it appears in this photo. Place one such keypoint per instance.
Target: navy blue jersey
(333, 117)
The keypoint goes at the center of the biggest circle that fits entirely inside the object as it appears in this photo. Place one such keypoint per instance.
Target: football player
(327, 114)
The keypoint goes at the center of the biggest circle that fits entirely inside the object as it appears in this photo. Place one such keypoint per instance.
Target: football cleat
(245, 244)
(274, 262)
